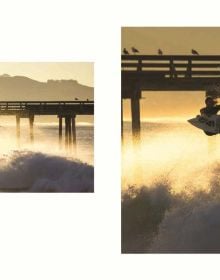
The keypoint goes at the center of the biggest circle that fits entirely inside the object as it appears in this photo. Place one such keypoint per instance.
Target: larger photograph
(170, 139)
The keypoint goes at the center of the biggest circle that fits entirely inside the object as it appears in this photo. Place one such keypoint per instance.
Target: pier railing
(23, 105)
(173, 66)
(166, 73)
(46, 107)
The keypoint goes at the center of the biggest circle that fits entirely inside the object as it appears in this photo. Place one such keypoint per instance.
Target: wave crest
(157, 220)
(38, 172)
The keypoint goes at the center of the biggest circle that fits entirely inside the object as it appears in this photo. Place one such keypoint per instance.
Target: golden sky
(83, 72)
(172, 40)
(42, 71)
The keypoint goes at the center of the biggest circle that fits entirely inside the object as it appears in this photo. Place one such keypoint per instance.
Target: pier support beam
(73, 119)
(70, 132)
(60, 130)
(66, 132)
(122, 127)
(135, 114)
(31, 122)
(18, 131)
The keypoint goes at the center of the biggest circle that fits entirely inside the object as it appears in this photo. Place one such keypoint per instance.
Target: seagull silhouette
(125, 51)
(159, 52)
(134, 50)
(194, 52)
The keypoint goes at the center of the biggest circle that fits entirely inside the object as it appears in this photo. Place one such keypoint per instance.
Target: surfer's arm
(202, 111)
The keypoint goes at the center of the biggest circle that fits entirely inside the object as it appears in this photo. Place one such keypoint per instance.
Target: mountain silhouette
(20, 88)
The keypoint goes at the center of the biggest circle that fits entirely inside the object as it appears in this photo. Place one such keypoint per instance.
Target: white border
(77, 236)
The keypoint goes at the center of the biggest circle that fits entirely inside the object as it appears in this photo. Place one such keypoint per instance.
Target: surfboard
(207, 124)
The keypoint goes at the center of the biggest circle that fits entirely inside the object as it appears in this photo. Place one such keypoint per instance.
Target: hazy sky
(83, 72)
(172, 40)
(42, 71)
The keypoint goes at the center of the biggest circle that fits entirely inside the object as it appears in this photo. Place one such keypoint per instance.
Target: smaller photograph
(46, 127)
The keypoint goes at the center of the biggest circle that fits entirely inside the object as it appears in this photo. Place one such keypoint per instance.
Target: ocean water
(170, 190)
(44, 166)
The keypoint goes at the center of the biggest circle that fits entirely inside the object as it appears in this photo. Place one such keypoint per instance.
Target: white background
(77, 236)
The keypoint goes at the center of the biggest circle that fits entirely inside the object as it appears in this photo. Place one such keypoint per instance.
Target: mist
(44, 166)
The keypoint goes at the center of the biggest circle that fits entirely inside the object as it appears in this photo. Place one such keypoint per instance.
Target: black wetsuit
(209, 111)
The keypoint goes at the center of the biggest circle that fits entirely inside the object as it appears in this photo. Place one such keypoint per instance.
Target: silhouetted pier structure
(64, 110)
(166, 73)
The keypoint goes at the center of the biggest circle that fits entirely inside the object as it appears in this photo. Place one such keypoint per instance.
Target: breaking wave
(38, 172)
(155, 219)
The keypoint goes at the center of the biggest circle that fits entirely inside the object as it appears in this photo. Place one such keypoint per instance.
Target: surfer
(209, 111)
(208, 121)
(211, 107)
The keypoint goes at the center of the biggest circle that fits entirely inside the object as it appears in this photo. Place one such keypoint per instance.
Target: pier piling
(66, 132)
(122, 128)
(74, 131)
(60, 130)
(31, 122)
(67, 110)
(69, 132)
(18, 127)
(135, 114)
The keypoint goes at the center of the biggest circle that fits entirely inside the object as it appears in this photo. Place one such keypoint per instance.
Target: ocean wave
(38, 172)
(157, 220)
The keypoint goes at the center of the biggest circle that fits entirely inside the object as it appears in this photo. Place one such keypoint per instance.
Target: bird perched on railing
(134, 50)
(125, 51)
(160, 52)
(194, 52)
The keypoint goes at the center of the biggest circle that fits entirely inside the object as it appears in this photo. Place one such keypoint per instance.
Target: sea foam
(39, 172)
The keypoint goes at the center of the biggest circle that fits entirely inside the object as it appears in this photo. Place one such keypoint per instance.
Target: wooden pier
(64, 110)
(166, 73)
